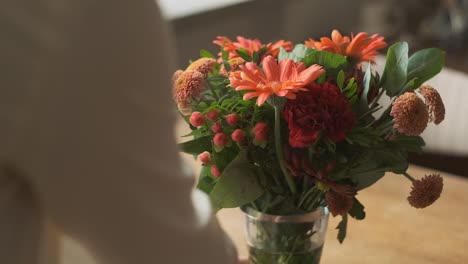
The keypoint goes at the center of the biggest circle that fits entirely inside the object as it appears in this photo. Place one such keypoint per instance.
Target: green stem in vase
(279, 149)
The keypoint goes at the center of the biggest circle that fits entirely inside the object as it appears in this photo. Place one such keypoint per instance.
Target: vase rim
(305, 217)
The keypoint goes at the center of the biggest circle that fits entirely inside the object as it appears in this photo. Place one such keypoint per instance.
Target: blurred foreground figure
(86, 138)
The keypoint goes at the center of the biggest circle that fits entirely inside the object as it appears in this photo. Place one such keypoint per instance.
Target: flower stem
(408, 177)
(279, 150)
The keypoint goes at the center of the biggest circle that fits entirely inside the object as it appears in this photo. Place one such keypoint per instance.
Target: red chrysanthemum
(323, 109)
(338, 204)
(426, 191)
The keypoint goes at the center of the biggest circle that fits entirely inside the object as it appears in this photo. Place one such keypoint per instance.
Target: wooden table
(393, 232)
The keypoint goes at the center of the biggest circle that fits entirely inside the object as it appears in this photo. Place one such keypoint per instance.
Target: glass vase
(292, 239)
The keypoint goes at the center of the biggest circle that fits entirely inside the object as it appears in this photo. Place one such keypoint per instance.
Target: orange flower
(360, 47)
(274, 48)
(250, 45)
(283, 79)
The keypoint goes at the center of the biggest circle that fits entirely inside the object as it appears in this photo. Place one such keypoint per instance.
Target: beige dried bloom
(434, 103)
(426, 191)
(176, 75)
(202, 65)
(188, 85)
(234, 63)
(409, 114)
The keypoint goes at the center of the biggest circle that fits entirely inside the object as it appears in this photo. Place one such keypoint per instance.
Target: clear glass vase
(292, 239)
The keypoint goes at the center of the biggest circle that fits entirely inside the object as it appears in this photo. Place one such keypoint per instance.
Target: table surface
(393, 232)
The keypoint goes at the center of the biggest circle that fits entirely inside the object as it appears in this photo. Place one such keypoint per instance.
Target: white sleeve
(98, 142)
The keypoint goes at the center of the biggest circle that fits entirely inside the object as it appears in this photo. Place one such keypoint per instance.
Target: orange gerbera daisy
(360, 47)
(250, 45)
(281, 79)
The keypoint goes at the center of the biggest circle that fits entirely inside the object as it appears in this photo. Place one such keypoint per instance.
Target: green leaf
(223, 158)
(299, 52)
(244, 54)
(340, 79)
(366, 179)
(342, 228)
(206, 182)
(196, 146)
(237, 185)
(206, 54)
(255, 57)
(283, 54)
(411, 84)
(425, 64)
(410, 143)
(326, 59)
(394, 75)
(363, 103)
(357, 211)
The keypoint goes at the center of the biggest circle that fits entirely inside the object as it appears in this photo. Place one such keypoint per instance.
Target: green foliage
(425, 64)
(206, 54)
(206, 182)
(297, 54)
(244, 54)
(225, 156)
(363, 103)
(237, 185)
(351, 91)
(364, 136)
(331, 62)
(196, 146)
(409, 143)
(394, 75)
(372, 164)
(342, 226)
(340, 79)
(357, 211)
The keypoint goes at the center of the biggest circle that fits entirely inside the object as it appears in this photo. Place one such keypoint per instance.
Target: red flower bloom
(232, 119)
(321, 109)
(212, 115)
(204, 157)
(220, 139)
(215, 171)
(338, 204)
(197, 119)
(238, 135)
(261, 131)
(217, 127)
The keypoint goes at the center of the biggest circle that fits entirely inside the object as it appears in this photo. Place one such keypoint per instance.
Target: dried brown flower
(338, 204)
(426, 191)
(188, 85)
(434, 103)
(410, 115)
(234, 63)
(202, 65)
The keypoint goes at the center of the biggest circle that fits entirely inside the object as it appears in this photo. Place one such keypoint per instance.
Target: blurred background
(422, 23)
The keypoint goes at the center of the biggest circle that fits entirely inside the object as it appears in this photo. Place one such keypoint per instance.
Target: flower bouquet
(289, 133)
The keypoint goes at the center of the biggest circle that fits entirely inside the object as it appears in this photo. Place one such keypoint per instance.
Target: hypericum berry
(238, 135)
(217, 127)
(215, 171)
(232, 119)
(212, 115)
(220, 139)
(197, 119)
(204, 157)
(261, 131)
